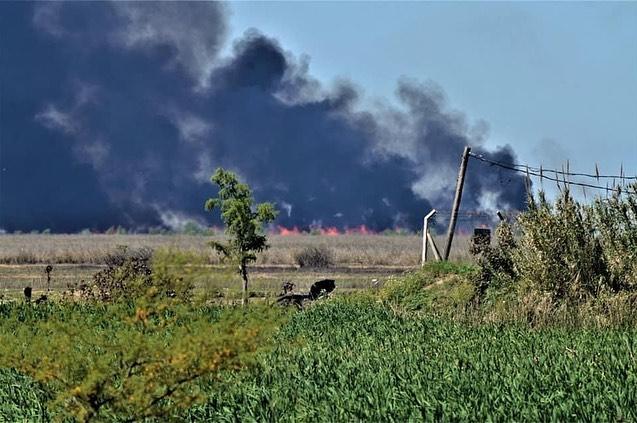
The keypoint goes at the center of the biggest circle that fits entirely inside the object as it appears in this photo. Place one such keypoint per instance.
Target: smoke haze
(118, 113)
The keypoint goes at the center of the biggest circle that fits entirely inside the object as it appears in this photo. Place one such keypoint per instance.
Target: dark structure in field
(28, 291)
(318, 289)
(322, 287)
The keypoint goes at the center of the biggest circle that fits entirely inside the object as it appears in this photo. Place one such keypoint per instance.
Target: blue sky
(557, 81)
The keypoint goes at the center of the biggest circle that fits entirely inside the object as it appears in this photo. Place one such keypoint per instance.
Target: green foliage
(193, 228)
(124, 362)
(21, 398)
(243, 221)
(358, 361)
(139, 355)
(569, 251)
(495, 262)
(437, 288)
(136, 274)
(616, 222)
(127, 275)
(559, 251)
(315, 256)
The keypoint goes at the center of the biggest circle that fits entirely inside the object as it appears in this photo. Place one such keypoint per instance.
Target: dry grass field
(359, 261)
(348, 250)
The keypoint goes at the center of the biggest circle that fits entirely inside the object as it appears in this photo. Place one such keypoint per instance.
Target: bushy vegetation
(565, 255)
(138, 355)
(542, 327)
(21, 398)
(439, 288)
(315, 256)
(399, 355)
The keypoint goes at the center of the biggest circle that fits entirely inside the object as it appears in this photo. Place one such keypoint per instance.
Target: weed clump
(560, 252)
(133, 274)
(439, 288)
(315, 256)
(495, 262)
(127, 271)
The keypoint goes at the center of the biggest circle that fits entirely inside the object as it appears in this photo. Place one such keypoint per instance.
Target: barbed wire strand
(541, 170)
(540, 174)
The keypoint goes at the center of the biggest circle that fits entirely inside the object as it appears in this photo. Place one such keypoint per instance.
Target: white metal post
(424, 236)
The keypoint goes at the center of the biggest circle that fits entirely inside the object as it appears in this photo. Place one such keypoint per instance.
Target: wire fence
(619, 183)
(563, 176)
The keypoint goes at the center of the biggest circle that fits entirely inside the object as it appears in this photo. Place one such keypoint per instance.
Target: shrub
(438, 288)
(565, 249)
(122, 361)
(495, 262)
(319, 256)
(615, 221)
(138, 273)
(127, 273)
(559, 251)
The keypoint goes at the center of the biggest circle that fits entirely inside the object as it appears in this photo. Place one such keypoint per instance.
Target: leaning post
(424, 236)
(433, 246)
(456, 201)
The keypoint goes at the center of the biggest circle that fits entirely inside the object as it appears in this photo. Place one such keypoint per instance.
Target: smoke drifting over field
(117, 113)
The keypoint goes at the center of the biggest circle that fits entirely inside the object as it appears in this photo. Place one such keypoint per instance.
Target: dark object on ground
(48, 271)
(293, 299)
(288, 287)
(27, 294)
(317, 290)
(42, 299)
(322, 287)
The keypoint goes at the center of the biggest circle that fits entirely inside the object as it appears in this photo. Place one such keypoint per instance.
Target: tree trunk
(243, 269)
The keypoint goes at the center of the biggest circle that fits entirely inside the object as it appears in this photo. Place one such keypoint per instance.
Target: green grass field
(415, 346)
(356, 360)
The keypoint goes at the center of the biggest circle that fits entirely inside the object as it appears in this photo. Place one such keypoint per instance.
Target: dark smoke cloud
(117, 113)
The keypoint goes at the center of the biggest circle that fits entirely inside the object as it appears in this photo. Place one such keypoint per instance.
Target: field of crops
(355, 359)
(345, 362)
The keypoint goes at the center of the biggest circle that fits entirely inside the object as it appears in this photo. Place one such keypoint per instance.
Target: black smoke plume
(117, 114)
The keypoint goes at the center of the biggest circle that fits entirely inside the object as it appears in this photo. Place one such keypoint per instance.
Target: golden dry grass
(348, 250)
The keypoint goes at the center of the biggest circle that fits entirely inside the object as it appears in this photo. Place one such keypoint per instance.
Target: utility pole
(456, 201)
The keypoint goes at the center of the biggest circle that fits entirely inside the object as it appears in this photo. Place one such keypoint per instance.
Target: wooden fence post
(456, 201)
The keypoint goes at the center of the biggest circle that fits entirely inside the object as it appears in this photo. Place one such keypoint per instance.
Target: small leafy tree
(244, 222)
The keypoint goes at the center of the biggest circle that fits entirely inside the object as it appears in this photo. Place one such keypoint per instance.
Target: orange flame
(330, 231)
(327, 231)
(359, 230)
(283, 231)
